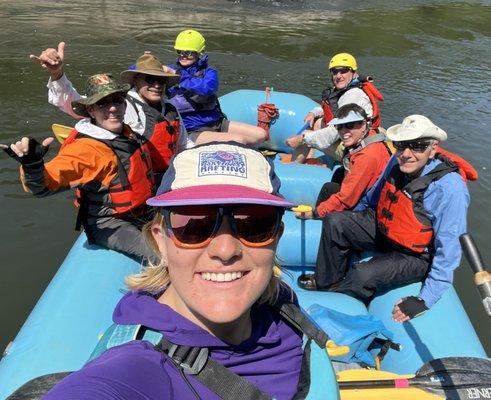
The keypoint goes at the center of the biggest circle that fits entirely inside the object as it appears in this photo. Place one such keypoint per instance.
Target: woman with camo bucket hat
(105, 161)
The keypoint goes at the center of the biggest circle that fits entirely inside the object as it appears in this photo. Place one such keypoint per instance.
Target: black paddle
(456, 378)
(482, 278)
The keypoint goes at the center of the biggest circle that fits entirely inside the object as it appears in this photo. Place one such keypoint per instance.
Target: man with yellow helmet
(348, 87)
(196, 99)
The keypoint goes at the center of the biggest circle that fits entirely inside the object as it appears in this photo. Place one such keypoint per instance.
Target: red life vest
(162, 130)
(466, 170)
(401, 216)
(131, 187)
(330, 98)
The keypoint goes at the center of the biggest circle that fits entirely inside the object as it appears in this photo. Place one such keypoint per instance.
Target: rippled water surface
(427, 57)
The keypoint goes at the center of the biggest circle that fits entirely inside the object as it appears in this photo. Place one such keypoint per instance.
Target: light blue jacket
(446, 201)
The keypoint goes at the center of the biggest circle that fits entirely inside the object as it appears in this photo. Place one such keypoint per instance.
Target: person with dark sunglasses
(196, 96)
(107, 163)
(412, 217)
(148, 113)
(365, 157)
(347, 87)
(213, 301)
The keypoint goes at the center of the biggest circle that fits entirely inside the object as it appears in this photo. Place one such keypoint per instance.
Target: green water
(427, 57)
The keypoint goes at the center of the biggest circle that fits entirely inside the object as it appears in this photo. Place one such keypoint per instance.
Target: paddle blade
(61, 132)
(452, 378)
(455, 365)
(456, 378)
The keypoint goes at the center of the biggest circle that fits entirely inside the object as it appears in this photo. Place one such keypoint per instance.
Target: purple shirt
(270, 358)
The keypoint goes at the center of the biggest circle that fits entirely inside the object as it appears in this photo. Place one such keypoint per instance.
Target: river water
(428, 57)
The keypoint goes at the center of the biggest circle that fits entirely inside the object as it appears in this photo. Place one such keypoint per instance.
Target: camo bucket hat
(98, 86)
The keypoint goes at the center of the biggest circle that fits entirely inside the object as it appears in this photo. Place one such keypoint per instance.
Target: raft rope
(267, 113)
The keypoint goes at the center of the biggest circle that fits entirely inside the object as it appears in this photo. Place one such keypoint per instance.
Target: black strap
(133, 101)
(83, 208)
(384, 345)
(295, 316)
(195, 361)
(303, 386)
(36, 388)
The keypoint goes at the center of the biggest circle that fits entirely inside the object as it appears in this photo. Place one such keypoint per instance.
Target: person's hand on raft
(303, 211)
(27, 150)
(408, 308)
(51, 60)
(294, 141)
(310, 119)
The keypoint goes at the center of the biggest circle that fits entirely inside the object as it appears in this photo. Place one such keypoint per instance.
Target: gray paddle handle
(482, 278)
(472, 253)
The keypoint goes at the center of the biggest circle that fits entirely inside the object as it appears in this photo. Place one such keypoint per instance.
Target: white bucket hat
(415, 127)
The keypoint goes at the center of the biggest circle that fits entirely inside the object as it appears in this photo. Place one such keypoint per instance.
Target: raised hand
(51, 60)
(27, 150)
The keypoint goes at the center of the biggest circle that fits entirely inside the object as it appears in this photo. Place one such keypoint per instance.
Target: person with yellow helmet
(196, 96)
(347, 87)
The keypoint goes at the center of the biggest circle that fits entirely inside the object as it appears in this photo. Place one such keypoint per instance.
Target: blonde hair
(155, 276)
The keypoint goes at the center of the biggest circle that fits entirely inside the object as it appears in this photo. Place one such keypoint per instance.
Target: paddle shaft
(437, 381)
(482, 278)
(449, 373)
(305, 126)
(383, 383)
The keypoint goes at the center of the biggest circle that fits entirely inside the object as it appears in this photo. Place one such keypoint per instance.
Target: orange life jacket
(161, 130)
(330, 98)
(401, 216)
(129, 190)
(466, 170)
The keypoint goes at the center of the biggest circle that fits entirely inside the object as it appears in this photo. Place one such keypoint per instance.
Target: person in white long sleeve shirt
(348, 88)
(152, 94)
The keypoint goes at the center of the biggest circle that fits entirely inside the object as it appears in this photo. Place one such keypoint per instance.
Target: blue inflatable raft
(76, 308)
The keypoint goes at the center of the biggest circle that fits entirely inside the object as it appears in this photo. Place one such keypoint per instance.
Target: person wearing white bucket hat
(413, 217)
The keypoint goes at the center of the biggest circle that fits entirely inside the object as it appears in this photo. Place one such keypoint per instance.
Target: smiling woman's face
(216, 284)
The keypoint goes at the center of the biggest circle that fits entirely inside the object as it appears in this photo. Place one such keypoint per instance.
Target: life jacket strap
(222, 381)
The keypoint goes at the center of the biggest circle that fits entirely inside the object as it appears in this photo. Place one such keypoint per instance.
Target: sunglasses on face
(343, 70)
(186, 53)
(193, 227)
(151, 79)
(349, 125)
(413, 145)
(109, 101)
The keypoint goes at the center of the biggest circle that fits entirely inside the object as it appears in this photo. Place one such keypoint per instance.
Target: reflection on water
(427, 57)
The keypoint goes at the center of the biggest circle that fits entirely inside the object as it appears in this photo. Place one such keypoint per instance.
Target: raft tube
(241, 105)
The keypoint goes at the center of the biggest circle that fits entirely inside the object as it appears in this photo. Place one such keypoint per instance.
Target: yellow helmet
(190, 40)
(343, 60)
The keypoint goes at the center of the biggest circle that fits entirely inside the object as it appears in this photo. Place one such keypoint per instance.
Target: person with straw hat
(108, 164)
(147, 113)
(412, 217)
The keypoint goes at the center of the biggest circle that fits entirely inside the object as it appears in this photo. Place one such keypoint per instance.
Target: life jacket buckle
(392, 197)
(190, 359)
(387, 214)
